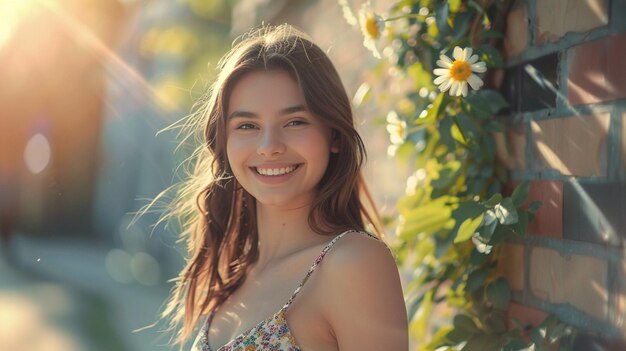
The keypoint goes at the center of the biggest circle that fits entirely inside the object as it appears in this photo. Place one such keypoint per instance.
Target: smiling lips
(278, 171)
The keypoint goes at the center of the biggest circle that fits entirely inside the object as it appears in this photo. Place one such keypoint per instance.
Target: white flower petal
(445, 86)
(464, 89)
(441, 72)
(475, 82)
(444, 64)
(457, 53)
(445, 59)
(472, 59)
(467, 54)
(455, 88)
(479, 67)
(392, 117)
(440, 79)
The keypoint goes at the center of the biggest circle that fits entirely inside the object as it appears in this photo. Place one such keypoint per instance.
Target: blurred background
(85, 86)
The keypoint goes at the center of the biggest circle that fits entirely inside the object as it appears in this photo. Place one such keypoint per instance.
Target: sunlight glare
(12, 12)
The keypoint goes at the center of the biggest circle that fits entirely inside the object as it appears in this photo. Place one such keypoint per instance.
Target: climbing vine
(453, 216)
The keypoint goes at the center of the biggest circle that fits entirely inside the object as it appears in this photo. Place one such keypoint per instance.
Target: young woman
(279, 257)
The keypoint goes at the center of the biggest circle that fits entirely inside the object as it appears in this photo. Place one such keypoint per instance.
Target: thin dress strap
(319, 259)
(317, 262)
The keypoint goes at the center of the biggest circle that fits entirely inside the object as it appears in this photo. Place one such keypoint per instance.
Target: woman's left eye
(296, 123)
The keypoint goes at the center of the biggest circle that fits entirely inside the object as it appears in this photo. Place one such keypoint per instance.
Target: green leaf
(485, 103)
(475, 280)
(440, 338)
(506, 212)
(468, 228)
(496, 321)
(447, 175)
(494, 200)
(425, 219)
(499, 235)
(520, 194)
(499, 293)
(482, 342)
(445, 132)
(534, 206)
(413, 305)
(477, 258)
(457, 335)
(431, 113)
(486, 229)
(522, 223)
(518, 345)
(465, 322)
(461, 24)
(490, 55)
(455, 5)
(442, 12)
(491, 34)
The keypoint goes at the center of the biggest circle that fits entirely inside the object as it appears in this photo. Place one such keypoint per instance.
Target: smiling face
(277, 149)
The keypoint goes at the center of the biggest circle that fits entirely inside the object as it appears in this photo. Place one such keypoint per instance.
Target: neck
(282, 232)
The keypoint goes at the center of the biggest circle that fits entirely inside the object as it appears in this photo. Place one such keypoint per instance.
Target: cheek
(234, 154)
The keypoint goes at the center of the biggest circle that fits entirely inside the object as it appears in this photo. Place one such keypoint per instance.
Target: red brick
(548, 220)
(572, 145)
(619, 319)
(597, 71)
(511, 265)
(624, 143)
(555, 18)
(511, 147)
(574, 279)
(526, 315)
(516, 38)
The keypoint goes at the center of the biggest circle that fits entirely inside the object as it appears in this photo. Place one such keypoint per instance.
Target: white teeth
(275, 171)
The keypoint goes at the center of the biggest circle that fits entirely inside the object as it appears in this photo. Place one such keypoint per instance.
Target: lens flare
(37, 153)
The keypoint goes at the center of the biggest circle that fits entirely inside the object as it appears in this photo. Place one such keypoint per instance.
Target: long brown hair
(218, 216)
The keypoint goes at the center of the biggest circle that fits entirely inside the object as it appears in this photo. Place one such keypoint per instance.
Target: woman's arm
(363, 300)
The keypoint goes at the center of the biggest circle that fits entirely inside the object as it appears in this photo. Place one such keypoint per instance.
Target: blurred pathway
(56, 295)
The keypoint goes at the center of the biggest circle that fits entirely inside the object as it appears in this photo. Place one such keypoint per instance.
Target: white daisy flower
(455, 75)
(396, 128)
(372, 26)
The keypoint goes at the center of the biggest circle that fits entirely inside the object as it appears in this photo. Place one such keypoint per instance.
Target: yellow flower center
(460, 70)
(371, 26)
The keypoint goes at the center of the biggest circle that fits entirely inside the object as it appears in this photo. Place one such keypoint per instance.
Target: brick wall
(565, 77)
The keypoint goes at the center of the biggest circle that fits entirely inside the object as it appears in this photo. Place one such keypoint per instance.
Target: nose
(270, 143)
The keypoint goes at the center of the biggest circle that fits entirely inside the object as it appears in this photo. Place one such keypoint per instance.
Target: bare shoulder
(358, 250)
(363, 300)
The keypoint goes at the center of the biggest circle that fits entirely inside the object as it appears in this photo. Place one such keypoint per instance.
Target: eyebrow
(285, 111)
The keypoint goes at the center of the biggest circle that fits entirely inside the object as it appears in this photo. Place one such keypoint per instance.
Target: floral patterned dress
(271, 334)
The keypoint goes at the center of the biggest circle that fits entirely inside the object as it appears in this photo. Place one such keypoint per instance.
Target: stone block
(555, 18)
(574, 279)
(548, 220)
(527, 315)
(572, 145)
(596, 71)
(595, 212)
